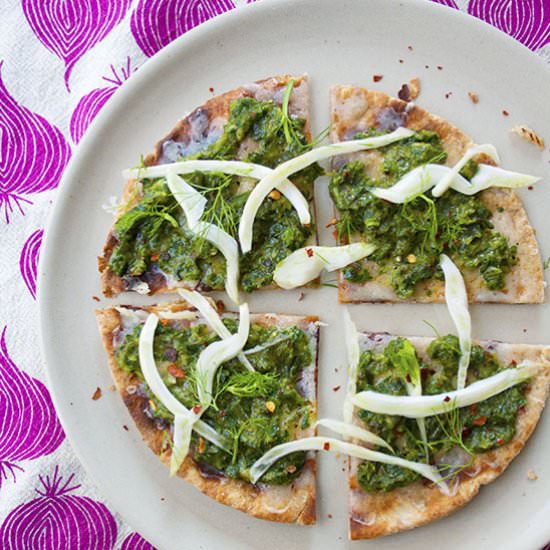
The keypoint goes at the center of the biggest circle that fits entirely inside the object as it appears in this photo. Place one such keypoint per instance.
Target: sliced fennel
(422, 178)
(346, 429)
(192, 204)
(305, 264)
(234, 167)
(184, 419)
(191, 201)
(197, 300)
(423, 406)
(284, 170)
(457, 304)
(413, 183)
(219, 352)
(330, 444)
(492, 176)
(445, 182)
(353, 352)
(183, 426)
(228, 246)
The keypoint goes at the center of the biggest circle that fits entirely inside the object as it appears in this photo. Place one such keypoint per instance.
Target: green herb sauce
(476, 429)
(421, 229)
(153, 235)
(239, 411)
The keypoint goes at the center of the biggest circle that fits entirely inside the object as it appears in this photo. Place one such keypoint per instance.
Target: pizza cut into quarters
(153, 248)
(487, 233)
(263, 397)
(469, 446)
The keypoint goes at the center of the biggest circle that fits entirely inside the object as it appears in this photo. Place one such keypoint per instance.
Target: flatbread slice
(355, 109)
(194, 134)
(383, 513)
(291, 503)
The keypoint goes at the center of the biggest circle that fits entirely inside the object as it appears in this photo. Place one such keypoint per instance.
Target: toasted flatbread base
(355, 109)
(196, 131)
(294, 503)
(379, 514)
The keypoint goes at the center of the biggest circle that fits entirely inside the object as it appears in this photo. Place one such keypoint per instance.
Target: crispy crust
(197, 128)
(291, 504)
(355, 109)
(379, 514)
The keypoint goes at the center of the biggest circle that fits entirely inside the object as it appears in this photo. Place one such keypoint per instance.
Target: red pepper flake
(326, 446)
(175, 371)
(291, 468)
(505, 113)
(473, 409)
(164, 322)
(513, 362)
(521, 410)
(473, 97)
(332, 222)
(97, 394)
(211, 90)
(223, 413)
(377, 77)
(480, 421)
(201, 445)
(155, 257)
(336, 388)
(530, 187)
(446, 399)
(329, 516)
(335, 234)
(500, 441)
(95, 299)
(309, 252)
(197, 409)
(125, 427)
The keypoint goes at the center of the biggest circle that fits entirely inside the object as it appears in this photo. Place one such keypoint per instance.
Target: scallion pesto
(410, 237)
(253, 410)
(475, 429)
(153, 236)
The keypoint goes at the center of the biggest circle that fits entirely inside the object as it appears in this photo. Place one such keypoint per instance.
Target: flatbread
(294, 503)
(379, 514)
(192, 134)
(355, 109)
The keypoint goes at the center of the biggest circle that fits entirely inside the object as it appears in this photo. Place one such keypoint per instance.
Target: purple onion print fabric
(28, 262)
(58, 517)
(155, 23)
(61, 62)
(34, 154)
(69, 28)
(30, 428)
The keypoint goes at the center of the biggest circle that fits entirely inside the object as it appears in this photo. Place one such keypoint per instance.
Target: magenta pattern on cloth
(28, 262)
(33, 154)
(58, 519)
(30, 428)
(155, 23)
(91, 47)
(70, 28)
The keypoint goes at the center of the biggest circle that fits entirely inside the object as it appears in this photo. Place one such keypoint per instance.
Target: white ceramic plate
(344, 41)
